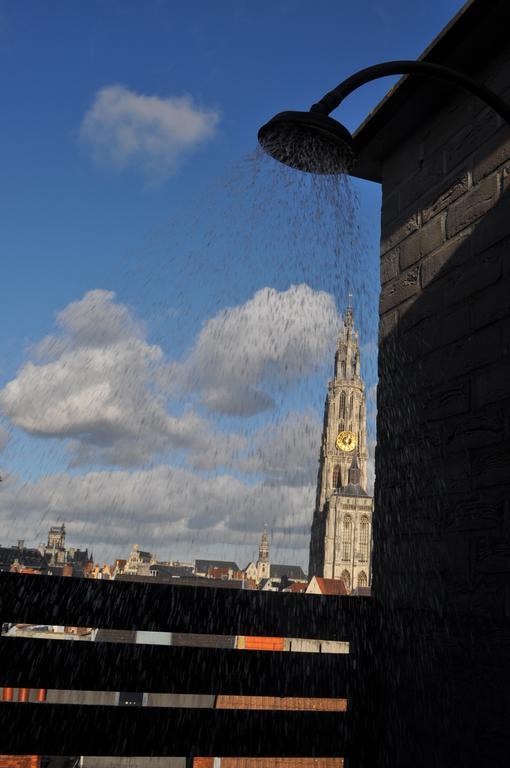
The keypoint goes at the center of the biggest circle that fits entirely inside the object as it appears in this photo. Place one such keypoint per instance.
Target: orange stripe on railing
(298, 704)
(268, 762)
(7, 694)
(252, 643)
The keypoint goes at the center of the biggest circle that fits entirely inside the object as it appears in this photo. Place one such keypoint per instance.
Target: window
(346, 537)
(364, 538)
(346, 578)
(362, 579)
(341, 406)
(337, 477)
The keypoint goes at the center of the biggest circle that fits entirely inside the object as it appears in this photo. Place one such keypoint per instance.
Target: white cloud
(169, 510)
(286, 451)
(126, 129)
(4, 438)
(97, 387)
(244, 352)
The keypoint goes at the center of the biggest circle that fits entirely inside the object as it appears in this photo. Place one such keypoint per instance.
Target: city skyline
(136, 252)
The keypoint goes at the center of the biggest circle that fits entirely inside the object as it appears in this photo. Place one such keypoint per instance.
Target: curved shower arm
(332, 100)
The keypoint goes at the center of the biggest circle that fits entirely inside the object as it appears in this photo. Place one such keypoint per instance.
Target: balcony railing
(78, 729)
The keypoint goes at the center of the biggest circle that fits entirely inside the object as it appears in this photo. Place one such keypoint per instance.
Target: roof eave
(468, 40)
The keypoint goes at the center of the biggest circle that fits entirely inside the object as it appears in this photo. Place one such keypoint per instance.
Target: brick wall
(442, 521)
(20, 761)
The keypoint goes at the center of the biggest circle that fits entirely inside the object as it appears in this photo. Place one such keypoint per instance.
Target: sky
(170, 301)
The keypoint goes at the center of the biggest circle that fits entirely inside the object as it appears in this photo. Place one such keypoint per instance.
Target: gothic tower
(340, 545)
(263, 566)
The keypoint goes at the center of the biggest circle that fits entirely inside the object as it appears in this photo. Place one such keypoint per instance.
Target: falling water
(264, 247)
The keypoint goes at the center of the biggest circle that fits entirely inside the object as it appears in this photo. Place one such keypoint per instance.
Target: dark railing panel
(162, 607)
(68, 664)
(86, 730)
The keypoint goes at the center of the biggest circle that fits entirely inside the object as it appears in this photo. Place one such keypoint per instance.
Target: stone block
(494, 227)
(432, 332)
(389, 266)
(490, 466)
(491, 155)
(448, 193)
(473, 276)
(407, 284)
(492, 385)
(493, 554)
(387, 324)
(448, 399)
(493, 303)
(472, 206)
(468, 354)
(394, 234)
(484, 427)
(448, 256)
(474, 133)
(390, 208)
(425, 183)
(473, 512)
(422, 242)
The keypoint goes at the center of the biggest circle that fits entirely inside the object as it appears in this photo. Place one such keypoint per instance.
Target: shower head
(314, 142)
(308, 141)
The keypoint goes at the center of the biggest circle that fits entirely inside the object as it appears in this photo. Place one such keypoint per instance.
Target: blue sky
(150, 236)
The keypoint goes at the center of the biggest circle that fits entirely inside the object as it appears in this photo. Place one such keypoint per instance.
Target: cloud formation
(94, 383)
(98, 384)
(243, 353)
(166, 508)
(4, 438)
(125, 129)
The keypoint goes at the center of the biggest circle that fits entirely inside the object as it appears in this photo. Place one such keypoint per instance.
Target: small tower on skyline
(263, 565)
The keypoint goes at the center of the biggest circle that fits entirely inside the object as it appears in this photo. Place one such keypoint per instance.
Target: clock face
(346, 441)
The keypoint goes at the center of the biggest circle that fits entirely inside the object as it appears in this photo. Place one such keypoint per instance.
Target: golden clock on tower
(346, 441)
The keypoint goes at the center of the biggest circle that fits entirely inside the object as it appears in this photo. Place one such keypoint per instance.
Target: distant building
(272, 577)
(57, 555)
(138, 561)
(341, 536)
(23, 558)
(201, 567)
(321, 586)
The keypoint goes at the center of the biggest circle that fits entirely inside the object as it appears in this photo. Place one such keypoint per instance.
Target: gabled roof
(175, 571)
(331, 586)
(202, 566)
(290, 571)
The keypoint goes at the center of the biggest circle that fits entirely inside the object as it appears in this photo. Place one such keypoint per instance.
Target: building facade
(340, 545)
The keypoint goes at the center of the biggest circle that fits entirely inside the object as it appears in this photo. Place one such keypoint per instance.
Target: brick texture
(442, 509)
(281, 702)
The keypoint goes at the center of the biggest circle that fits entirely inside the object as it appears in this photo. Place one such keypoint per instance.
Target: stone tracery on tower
(340, 545)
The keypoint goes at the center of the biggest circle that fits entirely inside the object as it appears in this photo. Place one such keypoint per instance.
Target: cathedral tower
(340, 545)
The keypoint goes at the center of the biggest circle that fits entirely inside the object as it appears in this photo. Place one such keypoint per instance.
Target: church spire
(347, 352)
(264, 547)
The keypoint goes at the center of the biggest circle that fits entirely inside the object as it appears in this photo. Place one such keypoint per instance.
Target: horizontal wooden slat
(169, 608)
(30, 663)
(86, 730)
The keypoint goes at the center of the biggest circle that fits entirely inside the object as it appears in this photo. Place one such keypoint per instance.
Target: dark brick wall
(442, 519)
